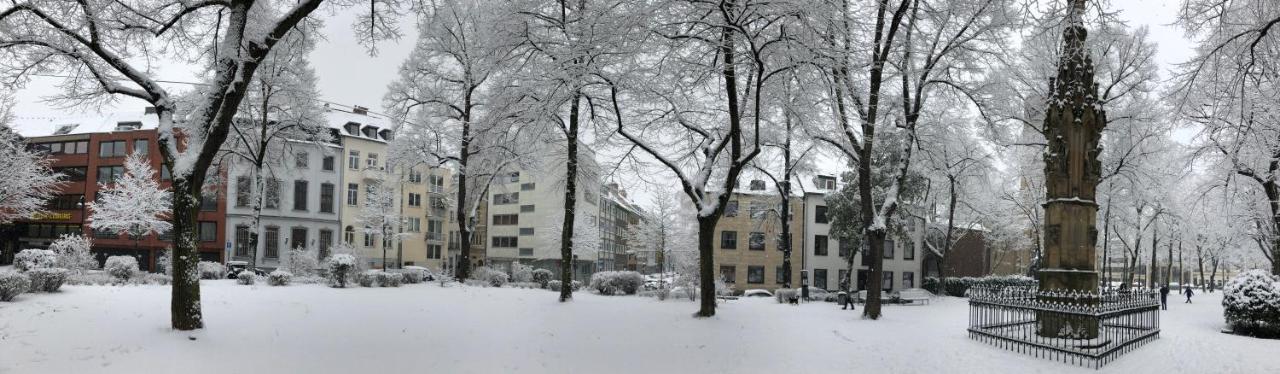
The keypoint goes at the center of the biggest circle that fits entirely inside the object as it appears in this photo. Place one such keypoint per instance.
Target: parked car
(427, 274)
(234, 268)
(755, 292)
(817, 294)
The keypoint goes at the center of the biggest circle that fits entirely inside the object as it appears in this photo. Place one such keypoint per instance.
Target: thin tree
(133, 204)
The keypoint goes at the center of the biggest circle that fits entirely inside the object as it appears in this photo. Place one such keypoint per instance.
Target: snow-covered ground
(426, 328)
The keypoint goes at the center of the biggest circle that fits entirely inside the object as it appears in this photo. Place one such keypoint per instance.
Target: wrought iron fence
(1083, 328)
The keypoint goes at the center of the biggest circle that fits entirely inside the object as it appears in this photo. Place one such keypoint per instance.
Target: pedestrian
(1189, 293)
(1164, 297)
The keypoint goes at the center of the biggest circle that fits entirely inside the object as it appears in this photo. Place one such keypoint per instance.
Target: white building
(825, 258)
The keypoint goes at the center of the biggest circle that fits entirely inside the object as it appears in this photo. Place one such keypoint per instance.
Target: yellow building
(747, 254)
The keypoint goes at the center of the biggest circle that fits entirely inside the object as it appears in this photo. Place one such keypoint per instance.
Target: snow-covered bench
(911, 295)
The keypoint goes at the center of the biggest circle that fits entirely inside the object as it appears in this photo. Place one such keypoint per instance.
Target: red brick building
(90, 152)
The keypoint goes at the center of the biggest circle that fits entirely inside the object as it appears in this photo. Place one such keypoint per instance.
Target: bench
(913, 295)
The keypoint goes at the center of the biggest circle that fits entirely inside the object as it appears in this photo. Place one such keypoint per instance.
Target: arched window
(349, 235)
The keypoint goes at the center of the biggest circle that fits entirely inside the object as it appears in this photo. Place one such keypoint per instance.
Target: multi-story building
(427, 214)
(828, 270)
(617, 216)
(90, 152)
(747, 254)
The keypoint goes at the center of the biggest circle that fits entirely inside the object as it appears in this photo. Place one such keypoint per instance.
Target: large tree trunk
(706, 264)
(1152, 268)
(872, 309)
(463, 269)
(570, 203)
(184, 305)
(1106, 241)
(946, 243)
(1168, 273)
(255, 220)
(1272, 190)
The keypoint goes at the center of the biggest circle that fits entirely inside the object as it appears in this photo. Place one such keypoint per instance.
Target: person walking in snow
(1164, 297)
(1189, 293)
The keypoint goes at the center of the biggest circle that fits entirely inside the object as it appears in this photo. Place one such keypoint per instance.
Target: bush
(279, 278)
(367, 278)
(246, 278)
(553, 285)
(542, 277)
(73, 253)
(46, 280)
(527, 285)
(413, 276)
(1251, 304)
(165, 262)
(303, 261)
(617, 282)
(784, 295)
(29, 259)
(157, 279)
(12, 284)
(493, 277)
(211, 270)
(521, 273)
(122, 267)
(959, 287)
(932, 284)
(339, 268)
(388, 279)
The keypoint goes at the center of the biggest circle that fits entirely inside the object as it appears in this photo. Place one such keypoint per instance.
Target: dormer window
(352, 128)
(825, 182)
(65, 129)
(370, 132)
(385, 135)
(128, 126)
(757, 185)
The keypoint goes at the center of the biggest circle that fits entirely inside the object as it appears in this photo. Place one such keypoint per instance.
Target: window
(820, 214)
(272, 242)
(243, 191)
(37, 230)
(326, 241)
(72, 174)
(819, 245)
(140, 147)
(728, 240)
(731, 209)
(506, 241)
(298, 237)
(757, 210)
(326, 163)
(65, 148)
(820, 278)
(843, 278)
(113, 148)
(353, 193)
(299, 195)
(437, 206)
(887, 281)
(526, 186)
(779, 275)
(908, 279)
(353, 160)
(755, 242)
(513, 177)
(436, 182)
(102, 234)
(755, 274)
(301, 160)
(368, 239)
(727, 273)
(272, 194)
(207, 231)
(414, 224)
(434, 251)
(908, 252)
(866, 253)
(65, 202)
(435, 229)
(506, 198)
(526, 231)
(242, 241)
(526, 208)
(826, 182)
(415, 176)
(506, 219)
(349, 235)
(209, 201)
(526, 251)
(372, 161)
(888, 249)
(326, 198)
(415, 199)
(109, 174)
(846, 249)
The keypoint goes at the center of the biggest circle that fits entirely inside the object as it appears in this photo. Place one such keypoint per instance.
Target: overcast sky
(349, 76)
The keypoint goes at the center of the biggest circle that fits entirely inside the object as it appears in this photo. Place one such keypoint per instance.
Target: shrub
(617, 282)
(122, 267)
(784, 295)
(527, 285)
(165, 262)
(387, 279)
(521, 273)
(959, 287)
(246, 277)
(367, 278)
(413, 276)
(553, 285)
(46, 280)
(211, 270)
(157, 279)
(12, 284)
(542, 277)
(339, 268)
(29, 259)
(493, 277)
(303, 261)
(279, 278)
(73, 253)
(932, 284)
(1251, 304)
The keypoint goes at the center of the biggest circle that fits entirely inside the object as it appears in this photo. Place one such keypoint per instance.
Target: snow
(314, 328)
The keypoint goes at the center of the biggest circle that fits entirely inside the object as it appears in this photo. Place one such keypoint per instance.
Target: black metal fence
(1081, 328)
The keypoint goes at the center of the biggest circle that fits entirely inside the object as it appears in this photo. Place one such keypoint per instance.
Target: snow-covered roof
(368, 126)
(81, 123)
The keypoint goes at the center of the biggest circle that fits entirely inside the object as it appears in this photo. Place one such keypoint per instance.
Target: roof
(338, 119)
(30, 127)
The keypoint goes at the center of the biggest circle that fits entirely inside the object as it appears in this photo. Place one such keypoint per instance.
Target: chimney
(360, 110)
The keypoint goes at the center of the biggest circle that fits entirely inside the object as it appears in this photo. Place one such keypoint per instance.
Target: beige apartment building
(747, 255)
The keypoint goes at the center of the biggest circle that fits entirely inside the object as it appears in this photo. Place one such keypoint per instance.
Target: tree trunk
(255, 220)
(1213, 274)
(946, 243)
(1200, 263)
(1168, 273)
(1155, 240)
(1272, 190)
(463, 269)
(876, 281)
(570, 203)
(1106, 241)
(184, 305)
(706, 264)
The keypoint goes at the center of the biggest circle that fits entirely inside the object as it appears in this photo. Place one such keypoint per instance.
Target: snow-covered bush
(12, 284)
(73, 253)
(617, 282)
(412, 276)
(542, 277)
(91, 278)
(279, 278)
(554, 285)
(29, 259)
(959, 287)
(525, 285)
(339, 268)
(211, 270)
(932, 284)
(388, 279)
(521, 273)
(1251, 304)
(492, 277)
(366, 278)
(122, 267)
(784, 295)
(157, 279)
(246, 278)
(165, 262)
(303, 261)
(46, 280)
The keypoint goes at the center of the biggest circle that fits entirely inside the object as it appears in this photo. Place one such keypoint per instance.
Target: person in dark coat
(1188, 293)
(1164, 297)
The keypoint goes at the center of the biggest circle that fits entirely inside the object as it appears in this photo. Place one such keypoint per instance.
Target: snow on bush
(366, 278)
(617, 282)
(554, 285)
(1251, 304)
(524, 285)
(413, 276)
(388, 279)
(279, 278)
(959, 287)
(303, 261)
(490, 276)
(784, 295)
(211, 270)
(521, 273)
(542, 277)
(165, 262)
(157, 279)
(73, 253)
(245, 278)
(46, 280)
(122, 267)
(12, 284)
(339, 268)
(29, 259)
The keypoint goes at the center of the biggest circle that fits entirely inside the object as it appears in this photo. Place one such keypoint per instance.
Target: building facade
(826, 263)
(747, 254)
